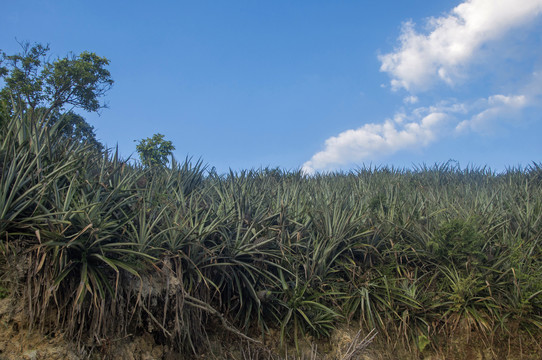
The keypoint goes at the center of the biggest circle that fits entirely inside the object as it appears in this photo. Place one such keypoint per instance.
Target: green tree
(155, 151)
(43, 89)
(34, 82)
(74, 127)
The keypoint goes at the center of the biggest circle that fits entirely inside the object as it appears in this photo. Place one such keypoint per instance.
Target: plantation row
(97, 247)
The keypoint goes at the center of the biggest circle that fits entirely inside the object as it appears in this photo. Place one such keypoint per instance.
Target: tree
(72, 126)
(155, 151)
(43, 89)
(34, 82)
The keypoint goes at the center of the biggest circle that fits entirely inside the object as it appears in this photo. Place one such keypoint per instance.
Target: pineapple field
(98, 249)
(103, 257)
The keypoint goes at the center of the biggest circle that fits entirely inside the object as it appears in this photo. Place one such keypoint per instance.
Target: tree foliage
(47, 91)
(155, 151)
(35, 82)
(74, 127)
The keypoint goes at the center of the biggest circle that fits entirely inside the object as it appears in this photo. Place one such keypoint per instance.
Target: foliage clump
(46, 92)
(460, 243)
(154, 151)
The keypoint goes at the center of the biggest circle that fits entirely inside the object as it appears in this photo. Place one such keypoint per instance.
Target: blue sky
(318, 85)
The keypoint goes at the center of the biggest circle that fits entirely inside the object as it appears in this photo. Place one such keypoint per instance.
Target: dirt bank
(18, 341)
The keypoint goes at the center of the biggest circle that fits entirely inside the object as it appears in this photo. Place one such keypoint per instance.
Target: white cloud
(451, 44)
(419, 129)
(373, 140)
(515, 101)
(494, 107)
(411, 99)
(453, 41)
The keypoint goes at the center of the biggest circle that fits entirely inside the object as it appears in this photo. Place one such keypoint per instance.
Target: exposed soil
(18, 342)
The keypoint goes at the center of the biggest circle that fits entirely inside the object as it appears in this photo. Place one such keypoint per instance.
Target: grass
(113, 248)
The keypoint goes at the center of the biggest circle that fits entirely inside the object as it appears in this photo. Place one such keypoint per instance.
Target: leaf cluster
(154, 151)
(47, 91)
(33, 80)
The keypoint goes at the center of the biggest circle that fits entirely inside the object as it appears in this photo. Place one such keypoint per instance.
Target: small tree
(155, 151)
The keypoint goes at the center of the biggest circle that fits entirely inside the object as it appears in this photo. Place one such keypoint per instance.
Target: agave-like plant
(304, 311)
(412, 253)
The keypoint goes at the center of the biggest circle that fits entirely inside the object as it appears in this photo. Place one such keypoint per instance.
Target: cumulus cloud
(496, 106)
(485, 112)
(419, 129)
(452, 41)
(373, 140)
